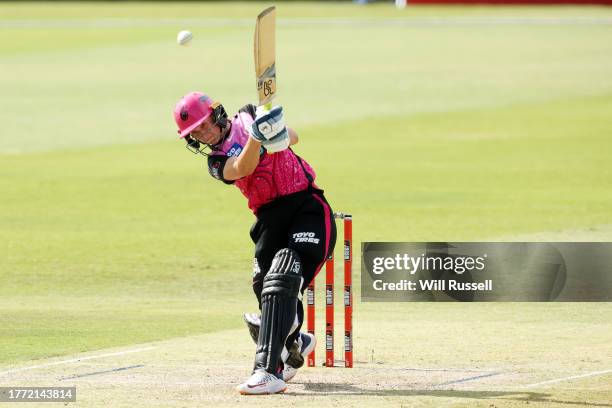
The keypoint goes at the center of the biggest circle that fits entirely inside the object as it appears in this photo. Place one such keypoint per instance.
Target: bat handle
(266, 107)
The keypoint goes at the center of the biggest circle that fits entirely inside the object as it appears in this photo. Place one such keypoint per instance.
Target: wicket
(329, 301)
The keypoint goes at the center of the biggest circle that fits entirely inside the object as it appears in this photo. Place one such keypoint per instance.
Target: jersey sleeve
(216, 164)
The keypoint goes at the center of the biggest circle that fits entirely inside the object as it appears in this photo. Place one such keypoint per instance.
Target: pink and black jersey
(292, 213)
(276, 175)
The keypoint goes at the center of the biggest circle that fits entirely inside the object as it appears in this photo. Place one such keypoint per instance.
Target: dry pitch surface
(511, 360)
(194, 371)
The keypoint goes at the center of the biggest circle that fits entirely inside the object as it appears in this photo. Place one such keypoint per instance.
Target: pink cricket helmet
(190, 111)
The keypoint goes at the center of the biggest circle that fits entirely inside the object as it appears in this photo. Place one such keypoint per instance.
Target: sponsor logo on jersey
(307, 237)
(214, 169)
(235, 150)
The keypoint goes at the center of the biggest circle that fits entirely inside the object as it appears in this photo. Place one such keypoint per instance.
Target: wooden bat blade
(265, 55)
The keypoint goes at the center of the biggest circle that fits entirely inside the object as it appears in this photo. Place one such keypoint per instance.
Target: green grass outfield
(487, 123)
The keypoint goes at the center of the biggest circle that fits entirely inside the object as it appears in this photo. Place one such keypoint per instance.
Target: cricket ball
(184, 37)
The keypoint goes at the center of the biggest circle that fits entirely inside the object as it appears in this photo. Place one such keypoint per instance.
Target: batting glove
(278, 143)
(268, 124)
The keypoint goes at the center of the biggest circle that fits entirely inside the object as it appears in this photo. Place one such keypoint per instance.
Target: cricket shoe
(306, 342)
(262, 383)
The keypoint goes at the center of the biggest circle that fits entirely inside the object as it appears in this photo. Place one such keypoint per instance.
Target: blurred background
(427, 122)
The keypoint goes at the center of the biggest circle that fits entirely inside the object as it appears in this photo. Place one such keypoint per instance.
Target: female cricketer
(294, 229)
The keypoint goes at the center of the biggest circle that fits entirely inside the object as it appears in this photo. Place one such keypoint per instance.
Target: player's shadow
(523, 396)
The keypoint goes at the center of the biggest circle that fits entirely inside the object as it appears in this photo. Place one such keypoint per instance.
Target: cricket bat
(265, 56)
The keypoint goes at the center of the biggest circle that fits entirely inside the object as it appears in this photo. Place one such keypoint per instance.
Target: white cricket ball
(184, 37)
